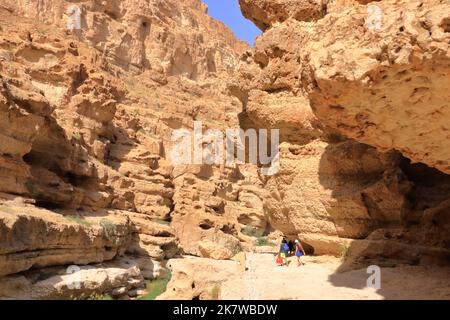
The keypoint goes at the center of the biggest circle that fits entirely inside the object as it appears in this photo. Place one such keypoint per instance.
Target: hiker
(291, 247)
(299, 251)
(284, 249)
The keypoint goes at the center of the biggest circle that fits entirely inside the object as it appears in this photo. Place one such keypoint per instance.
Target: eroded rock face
(348, 73)
(199, 278)
(87, 118)
(115, 279)
(86, 123)
(323, 80)
(211, 206)
(34, 237)
(265, 13)
(268, 13)
(167, 37)
(392, 91)
(344, 189)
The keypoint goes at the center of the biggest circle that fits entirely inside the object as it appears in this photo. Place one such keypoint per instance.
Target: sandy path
(318, 279)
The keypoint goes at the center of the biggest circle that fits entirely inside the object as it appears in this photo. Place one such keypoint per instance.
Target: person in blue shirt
(284, 250)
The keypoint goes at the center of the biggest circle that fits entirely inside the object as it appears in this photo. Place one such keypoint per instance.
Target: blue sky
(228, 12)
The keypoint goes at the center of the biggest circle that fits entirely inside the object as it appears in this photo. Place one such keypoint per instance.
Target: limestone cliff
(86, 123)
(331, 78)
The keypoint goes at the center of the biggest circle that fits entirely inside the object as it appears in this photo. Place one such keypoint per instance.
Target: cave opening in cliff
(75, 180)
(37, 159)
(430, 186)
(32, 158)
(445, 25)
(206, 224)
(49, 205)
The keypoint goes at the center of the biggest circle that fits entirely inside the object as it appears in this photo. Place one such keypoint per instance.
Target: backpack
(285, 247)
(279, 260)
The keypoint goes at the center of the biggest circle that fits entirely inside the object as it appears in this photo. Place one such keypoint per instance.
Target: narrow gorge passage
(317, 279)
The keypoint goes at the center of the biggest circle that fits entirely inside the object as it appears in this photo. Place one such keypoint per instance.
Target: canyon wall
(359, 92)
(86, 122)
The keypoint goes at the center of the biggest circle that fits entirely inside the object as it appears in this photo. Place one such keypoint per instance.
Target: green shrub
(252, 232)
(215, 292)
(80, 220)
(77, 136)
(161, 221)
(235, 248)
(247, 182)
(93, 296)
(31, 187)
(109, 228)
(157, 287)
(262, 241)
(41, 31)
(99, 297)
(343, 250)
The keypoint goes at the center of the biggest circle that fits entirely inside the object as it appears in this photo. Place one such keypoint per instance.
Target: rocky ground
(318, 279)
